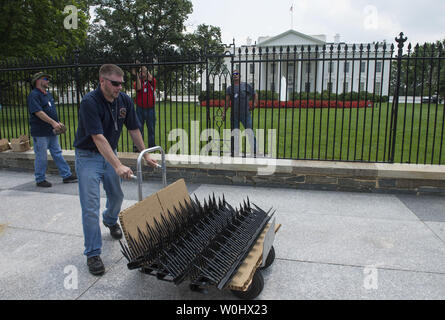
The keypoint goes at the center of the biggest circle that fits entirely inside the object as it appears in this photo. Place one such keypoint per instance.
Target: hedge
(298, 104)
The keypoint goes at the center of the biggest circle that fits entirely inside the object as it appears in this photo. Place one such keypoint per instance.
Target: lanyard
(113, 117)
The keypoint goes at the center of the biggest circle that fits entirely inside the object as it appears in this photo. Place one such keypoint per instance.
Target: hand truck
(210, 244)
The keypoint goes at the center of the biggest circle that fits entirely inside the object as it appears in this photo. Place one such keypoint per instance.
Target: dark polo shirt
(41, 101)
(98, 116)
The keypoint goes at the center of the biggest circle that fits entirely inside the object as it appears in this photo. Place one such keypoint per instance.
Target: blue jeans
(246, 120)
(41, 145)
(92, 169)
(147, 117)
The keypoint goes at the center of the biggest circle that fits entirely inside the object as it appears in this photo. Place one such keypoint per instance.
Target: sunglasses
(45, 78)
(235, 74)
(114, 83)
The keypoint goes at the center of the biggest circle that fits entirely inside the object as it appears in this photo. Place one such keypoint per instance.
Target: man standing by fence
(102, 114)
(145, 87)
(44, 125)
(239, 96)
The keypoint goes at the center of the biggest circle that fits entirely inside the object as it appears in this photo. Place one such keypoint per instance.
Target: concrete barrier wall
(262, 172)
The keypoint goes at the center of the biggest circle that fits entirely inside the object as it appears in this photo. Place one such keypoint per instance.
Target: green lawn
(331, 134)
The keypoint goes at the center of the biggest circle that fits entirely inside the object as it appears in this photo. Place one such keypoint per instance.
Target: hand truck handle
(139, 168)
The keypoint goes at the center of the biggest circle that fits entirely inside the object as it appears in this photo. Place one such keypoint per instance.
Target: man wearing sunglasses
(102, 115)
(145, 86)
(44, 122)
(239, 97)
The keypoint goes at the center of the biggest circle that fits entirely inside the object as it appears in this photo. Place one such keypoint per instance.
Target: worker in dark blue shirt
(44, 122)
(102, 114)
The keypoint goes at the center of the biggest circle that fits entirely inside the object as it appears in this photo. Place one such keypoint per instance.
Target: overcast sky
(357, 21)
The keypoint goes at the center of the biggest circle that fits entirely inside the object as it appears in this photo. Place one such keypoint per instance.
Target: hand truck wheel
(270, 258)
(254, 289)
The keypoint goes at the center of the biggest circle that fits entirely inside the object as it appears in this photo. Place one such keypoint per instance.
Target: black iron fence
(370, 103)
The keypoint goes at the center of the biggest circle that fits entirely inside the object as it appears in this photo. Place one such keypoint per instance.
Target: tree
(422, 72)
(205, 37)
(35, 28)
(138, 29)
(205, 40)
(152, 32)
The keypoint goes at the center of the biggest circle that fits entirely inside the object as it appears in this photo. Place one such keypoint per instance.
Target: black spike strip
(125, 251)
(198, 240)
(225, 268)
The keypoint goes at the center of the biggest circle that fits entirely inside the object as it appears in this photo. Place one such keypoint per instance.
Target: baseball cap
(37, 76)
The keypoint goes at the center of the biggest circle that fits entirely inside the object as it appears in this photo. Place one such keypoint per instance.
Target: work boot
(72, 178)
(115, 231)
(44, 184)
(95, 265)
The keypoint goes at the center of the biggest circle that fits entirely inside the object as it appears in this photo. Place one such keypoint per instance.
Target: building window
(308, 67)
(379, 66)
(345, 87)
(290, 74)
(290, 71)
(307, 87)
(273, 66)
(252, 68)
(362, 86)
(330, 66)
(362, 66)
(272, 86)
(346, 67)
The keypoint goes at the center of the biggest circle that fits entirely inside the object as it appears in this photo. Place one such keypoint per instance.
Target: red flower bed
(298, 104)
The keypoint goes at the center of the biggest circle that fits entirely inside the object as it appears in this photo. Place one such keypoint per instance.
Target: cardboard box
(4, 145)
(20, 144)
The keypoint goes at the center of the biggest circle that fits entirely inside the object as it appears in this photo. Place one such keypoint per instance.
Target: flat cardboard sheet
(243, 277)
(138, 215)
(170, 196)
(144, 212)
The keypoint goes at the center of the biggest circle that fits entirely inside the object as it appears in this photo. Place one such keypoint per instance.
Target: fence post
(76, 63)
(395, 104)
(232, 67)
(207, 87)
(207, 106)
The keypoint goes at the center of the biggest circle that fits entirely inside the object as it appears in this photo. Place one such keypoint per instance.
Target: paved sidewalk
(332, 245)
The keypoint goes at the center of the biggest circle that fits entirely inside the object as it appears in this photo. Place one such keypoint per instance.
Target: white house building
(296, 62)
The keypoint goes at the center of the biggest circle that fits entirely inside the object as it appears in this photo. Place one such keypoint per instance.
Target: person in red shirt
(145, 86)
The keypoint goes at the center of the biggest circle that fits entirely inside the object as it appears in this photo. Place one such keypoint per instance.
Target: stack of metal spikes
(204, 243)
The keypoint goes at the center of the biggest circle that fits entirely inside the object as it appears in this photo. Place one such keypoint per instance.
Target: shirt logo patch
(122, 112)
